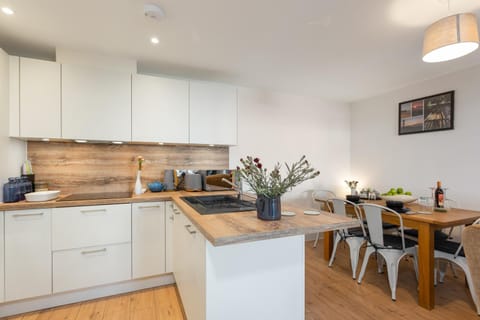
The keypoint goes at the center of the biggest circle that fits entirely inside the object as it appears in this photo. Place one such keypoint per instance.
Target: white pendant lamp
(450, 38)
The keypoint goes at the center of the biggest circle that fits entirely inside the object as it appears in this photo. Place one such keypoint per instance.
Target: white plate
(288, 213)
(42, 195)
(400, 197)
(312, 212)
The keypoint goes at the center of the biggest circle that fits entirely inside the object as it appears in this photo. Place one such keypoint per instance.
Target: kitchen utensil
(156, 186)
(168, 180)
(42, 195)
(193, 182)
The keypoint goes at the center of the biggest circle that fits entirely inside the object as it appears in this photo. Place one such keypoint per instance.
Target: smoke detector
(153, 11)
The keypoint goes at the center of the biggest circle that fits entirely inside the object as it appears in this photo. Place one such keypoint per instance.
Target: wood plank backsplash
(85, 168)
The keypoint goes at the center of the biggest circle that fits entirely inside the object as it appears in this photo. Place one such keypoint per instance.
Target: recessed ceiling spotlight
(154, 40)
(211, 145)
(7, 11)
(45, 139)
(154, 11)
(117, 142)
(81, 141)
(160, 143)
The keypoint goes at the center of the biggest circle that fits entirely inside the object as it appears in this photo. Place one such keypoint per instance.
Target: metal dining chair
(323, 197)
(354, 237)
(391, 248)
(452, 252)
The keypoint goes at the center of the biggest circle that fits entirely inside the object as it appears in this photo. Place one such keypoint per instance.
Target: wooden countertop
(219, 229)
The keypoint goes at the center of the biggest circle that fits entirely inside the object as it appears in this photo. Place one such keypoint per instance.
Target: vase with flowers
(138, 181)
(353, 187)
(270, 186)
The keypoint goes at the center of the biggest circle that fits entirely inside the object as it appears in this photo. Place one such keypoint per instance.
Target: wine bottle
(439, 196)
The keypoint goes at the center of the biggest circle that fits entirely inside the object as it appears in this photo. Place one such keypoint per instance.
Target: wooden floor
(331, 293)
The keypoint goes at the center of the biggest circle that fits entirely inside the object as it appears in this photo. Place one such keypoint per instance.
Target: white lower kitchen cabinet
(255, 280)
(93, 266)
(28, 256)
(148, 239)
(189, 266)
(2, 258)
(169, 222)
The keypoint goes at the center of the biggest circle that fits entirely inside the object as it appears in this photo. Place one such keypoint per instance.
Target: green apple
(400, 190)
(408, 193)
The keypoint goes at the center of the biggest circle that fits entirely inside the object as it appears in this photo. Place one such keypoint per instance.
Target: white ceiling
(341, 50)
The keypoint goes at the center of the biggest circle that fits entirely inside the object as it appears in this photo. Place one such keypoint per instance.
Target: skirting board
(59, 299)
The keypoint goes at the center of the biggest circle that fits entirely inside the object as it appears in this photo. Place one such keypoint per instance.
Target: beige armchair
(471, 241)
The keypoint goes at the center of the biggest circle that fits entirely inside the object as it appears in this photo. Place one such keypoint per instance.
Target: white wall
(12, 151)
(381, 158)
(281, 128)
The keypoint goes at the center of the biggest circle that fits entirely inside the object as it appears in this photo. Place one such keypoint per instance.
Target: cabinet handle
(93, 211)
(148, 207)
(188, 226)
(176, 211)
(171, 217)
(18, 215)
(94, 251)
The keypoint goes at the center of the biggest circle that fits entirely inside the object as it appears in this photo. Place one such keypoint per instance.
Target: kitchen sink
(219, 204)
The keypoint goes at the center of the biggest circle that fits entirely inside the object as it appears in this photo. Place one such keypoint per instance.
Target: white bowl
(42, 195)
(400, 197)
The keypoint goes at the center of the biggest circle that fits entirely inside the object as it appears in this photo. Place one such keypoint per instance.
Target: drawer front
(88, 267)
(80, 227)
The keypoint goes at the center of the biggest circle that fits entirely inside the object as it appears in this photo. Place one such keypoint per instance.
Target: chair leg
(355, 244)
(338, 238)
(435, 273)
(453, 270)
(380, 263)
(366, 257)
(442, 268)
(316, 240)
(392, 272)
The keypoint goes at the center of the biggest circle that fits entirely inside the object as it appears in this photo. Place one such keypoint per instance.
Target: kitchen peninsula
(231, 265)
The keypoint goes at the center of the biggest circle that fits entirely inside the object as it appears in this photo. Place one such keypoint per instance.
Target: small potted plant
(270, 186)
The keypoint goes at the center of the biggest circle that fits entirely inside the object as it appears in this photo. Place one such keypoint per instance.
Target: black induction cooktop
(96, 196)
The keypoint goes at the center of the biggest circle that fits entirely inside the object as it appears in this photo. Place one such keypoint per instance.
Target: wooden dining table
(426, 224)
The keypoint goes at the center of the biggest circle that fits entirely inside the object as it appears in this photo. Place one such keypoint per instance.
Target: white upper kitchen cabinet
(40, 110)
(148, 239)
(35, 110)
(28, 254)
(96, 103)
(213, 113)
(159, 109)
(14, 96)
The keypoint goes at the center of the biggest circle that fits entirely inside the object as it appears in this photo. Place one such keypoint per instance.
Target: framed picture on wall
(432, 113)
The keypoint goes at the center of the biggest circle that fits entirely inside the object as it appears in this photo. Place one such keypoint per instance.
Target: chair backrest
(477, 222)
(470, 240)
(373, 214)
(339, 207)
(324, 197)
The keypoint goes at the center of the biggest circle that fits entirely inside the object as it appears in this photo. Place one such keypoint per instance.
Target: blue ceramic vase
(268, 208)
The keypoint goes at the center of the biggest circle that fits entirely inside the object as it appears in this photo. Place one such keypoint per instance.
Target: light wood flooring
(331, 293)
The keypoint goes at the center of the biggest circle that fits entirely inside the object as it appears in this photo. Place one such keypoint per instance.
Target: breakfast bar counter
(219, 229)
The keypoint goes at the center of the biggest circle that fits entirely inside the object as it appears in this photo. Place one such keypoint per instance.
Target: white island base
(255, 280)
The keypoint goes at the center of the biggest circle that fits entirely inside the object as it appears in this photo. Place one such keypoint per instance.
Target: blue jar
(10, 193)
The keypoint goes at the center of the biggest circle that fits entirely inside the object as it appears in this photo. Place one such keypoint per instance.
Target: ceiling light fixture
(117, 142)
(154, 40)
(7, 11)
(154, 11)
(450, 38)
(81, 141)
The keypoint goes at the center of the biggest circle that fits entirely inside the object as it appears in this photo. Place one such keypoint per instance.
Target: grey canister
(168, 180)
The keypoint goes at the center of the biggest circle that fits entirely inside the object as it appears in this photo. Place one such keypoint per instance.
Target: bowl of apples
(398, 194)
